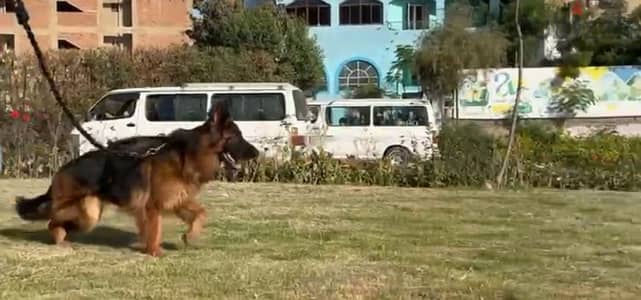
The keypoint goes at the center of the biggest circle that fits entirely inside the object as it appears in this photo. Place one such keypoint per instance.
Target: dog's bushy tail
(34, 209)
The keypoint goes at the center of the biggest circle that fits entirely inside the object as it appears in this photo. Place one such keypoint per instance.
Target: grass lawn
(329, 242)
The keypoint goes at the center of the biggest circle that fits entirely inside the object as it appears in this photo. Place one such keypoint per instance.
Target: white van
(374, 128)
(271, 116)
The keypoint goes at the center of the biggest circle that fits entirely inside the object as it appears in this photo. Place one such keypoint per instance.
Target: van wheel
(397, 155)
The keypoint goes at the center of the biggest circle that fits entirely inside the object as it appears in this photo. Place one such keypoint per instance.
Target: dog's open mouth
(230, 161)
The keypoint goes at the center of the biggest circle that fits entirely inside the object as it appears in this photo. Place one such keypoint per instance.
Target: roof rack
(239, 85)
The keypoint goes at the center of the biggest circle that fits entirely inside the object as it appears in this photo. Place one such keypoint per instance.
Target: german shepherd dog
(144, 187)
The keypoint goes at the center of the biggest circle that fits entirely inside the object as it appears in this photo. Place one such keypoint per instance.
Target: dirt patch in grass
(340, 242)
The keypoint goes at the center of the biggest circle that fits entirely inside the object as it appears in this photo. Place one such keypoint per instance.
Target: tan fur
(171, 183)
(90, 209)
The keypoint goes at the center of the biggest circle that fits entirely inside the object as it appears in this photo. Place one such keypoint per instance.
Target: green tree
(540, 15)
(571, 98)
(268, 29)
(403, 67)
(603, 38)
(367, 91)
(447, 54)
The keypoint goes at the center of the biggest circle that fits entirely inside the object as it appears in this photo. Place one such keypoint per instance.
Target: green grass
(328, 242)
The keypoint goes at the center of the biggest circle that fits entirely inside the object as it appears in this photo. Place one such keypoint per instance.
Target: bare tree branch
(515, 109)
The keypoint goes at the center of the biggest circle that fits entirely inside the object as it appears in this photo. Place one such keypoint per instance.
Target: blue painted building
(359, 37)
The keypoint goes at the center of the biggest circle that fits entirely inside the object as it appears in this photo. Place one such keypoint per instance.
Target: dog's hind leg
(193, 214)
(82, 215)
(62, 221)
(90, 213)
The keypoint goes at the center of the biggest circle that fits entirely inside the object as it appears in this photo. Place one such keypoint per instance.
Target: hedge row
(34, 133)
(470, 157)
(28, 110)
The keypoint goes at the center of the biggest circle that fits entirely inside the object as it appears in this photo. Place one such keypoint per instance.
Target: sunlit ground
(328, 242)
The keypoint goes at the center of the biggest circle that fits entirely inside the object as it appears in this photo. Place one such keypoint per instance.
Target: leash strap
(23, 19)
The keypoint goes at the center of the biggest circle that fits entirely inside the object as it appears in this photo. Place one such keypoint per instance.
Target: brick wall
(155, 40)
(78, 19)
(23, 45)
(81, 39)
(173, 13)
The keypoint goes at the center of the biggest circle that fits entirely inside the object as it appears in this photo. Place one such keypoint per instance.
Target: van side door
(402, 125)
(346, 134)
(165, 112)
(261, 116)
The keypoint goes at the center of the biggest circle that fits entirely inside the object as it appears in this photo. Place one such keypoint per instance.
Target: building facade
(359, 37)
(79, 24)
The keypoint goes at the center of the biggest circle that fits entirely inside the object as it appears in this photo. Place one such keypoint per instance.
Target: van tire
(397, 155)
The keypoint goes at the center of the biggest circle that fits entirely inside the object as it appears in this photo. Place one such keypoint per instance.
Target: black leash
(23, 19)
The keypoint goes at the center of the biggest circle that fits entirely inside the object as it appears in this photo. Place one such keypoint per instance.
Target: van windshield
(400, 116)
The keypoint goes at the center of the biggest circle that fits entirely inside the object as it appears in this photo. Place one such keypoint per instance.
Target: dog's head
(226, 137)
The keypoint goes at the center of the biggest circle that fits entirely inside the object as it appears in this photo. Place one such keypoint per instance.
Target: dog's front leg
(140, 218)
(193, 214)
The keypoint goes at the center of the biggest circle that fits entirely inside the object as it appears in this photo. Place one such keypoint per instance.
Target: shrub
(471, 157)
(543, 157)
(28, 110)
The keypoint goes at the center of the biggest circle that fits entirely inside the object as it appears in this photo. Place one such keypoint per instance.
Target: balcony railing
(416, 25)
(409, 25)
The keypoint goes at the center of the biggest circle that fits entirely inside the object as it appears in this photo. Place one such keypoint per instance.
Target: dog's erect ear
(219, 115)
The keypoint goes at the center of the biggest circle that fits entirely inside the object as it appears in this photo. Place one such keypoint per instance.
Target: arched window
(357, 73)
(314, 12)
(356, 12)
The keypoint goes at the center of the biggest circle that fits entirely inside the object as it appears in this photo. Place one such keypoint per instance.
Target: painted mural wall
(490, 93)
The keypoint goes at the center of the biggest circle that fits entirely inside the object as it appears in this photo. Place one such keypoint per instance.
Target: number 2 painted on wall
(505, 80)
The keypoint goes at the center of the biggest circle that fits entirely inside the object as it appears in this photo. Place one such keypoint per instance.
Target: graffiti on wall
(490, 93)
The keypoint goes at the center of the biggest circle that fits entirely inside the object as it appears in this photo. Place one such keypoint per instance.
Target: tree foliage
(605, 37)
(536, 17)
(448, 52)
(572, 97)
(367, 91)
(403, 67)
(266, 29)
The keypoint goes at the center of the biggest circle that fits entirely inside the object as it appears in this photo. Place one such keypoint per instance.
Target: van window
(115, 106)
(300, 102)
(253, 107)
(400, 116)
(348, 116)
(176, 107)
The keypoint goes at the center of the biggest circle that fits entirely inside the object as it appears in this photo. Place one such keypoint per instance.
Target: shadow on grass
(100, 236)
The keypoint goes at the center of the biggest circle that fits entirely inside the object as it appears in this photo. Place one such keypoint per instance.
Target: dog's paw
(188, 241)
(138, 245)
(185, 239)
(64, 244)
(156, 252)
